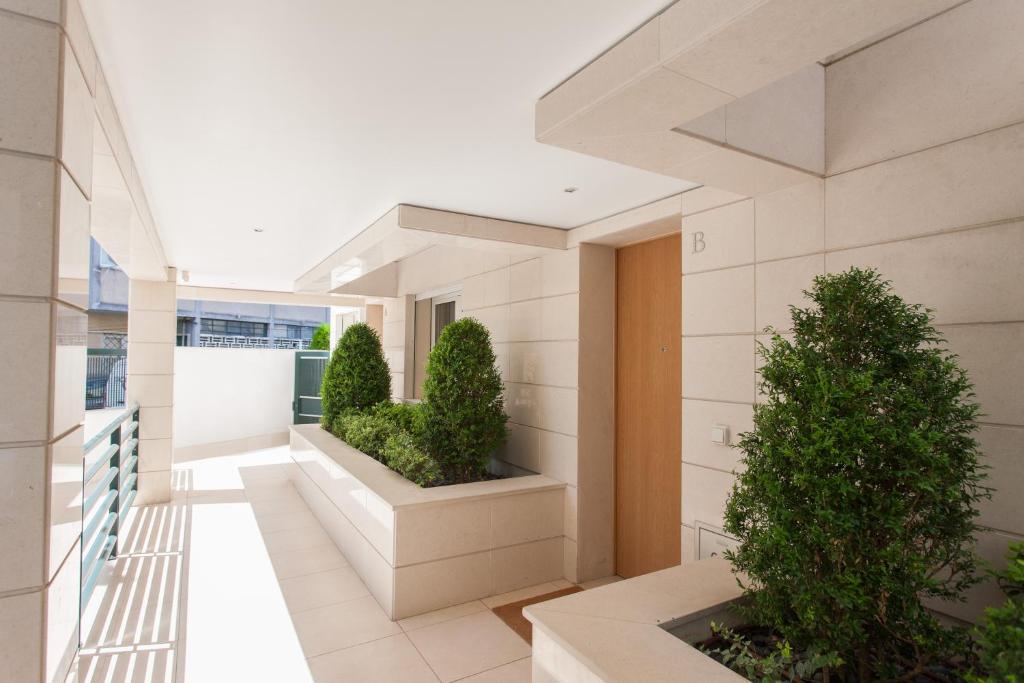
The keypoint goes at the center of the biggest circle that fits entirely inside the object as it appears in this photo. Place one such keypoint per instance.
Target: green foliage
(403, 456)
(446, 439)
(368, 433)
(387, 432)
(321, 340)
(463, 408)
(861, 479)
(1011, 579)
(339, 425)
(1002, 637)
(406, 417)
(357, 376)
(779, 664)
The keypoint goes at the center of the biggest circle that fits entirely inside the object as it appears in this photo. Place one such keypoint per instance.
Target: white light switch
(720, 434)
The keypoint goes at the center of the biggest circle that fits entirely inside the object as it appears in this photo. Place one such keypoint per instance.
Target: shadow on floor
(193, 592)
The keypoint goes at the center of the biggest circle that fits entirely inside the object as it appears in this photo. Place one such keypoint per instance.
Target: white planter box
(420, 549)
(618, 632)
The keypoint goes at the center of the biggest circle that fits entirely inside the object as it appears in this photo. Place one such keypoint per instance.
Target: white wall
(341, 318)
(231, 394)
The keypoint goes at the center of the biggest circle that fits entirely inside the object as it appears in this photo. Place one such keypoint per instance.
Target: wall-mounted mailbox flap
(712, 541)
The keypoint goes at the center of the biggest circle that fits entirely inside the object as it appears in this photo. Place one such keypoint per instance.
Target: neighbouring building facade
(200, 323)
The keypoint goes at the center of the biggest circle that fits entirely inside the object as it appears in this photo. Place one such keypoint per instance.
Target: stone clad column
(46, 128)
(152, 327)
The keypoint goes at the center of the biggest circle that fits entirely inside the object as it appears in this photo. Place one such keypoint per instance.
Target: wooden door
(648, 425)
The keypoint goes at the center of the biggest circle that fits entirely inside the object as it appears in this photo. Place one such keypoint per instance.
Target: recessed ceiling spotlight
(570, 189)
(257, 229)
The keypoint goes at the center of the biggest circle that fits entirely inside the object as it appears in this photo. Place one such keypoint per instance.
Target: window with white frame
(434, 311)
(442, 314)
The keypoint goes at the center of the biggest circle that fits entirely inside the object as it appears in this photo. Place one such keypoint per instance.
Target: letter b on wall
(698, 242)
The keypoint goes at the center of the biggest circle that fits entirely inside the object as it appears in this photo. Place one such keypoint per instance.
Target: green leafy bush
(463, 408)
(1002, 637)
(859, 494)
(446, 439)
(779, 663)
(404, 416)
(321, 340)
(368, 433)
(357, 376)
(339, 425)
(403, 456)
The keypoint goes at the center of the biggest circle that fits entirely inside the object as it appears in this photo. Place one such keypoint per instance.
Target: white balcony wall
(231, 399)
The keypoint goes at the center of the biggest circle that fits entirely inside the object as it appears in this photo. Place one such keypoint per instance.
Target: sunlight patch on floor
(237, 625)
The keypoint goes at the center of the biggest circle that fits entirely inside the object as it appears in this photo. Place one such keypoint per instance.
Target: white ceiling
(312, 118)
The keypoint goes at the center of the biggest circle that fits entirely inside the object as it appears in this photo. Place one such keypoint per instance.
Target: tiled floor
(235, 580)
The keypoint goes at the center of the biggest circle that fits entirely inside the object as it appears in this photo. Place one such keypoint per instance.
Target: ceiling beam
(407, 230)
(258, 296)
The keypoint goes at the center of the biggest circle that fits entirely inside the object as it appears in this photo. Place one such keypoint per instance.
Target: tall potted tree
(858, 499)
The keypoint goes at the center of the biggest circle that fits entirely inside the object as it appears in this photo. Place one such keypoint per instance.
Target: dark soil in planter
(763, 641)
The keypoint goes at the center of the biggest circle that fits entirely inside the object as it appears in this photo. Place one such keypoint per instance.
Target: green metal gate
(309, 371)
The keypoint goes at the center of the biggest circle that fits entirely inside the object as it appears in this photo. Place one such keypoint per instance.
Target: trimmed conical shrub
(357, 376)
(463, 408)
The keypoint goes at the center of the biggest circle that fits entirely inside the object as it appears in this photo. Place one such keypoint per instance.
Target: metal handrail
(100, 462)
(106, 431)
(89, 529)
(104, 484)
(110, 498)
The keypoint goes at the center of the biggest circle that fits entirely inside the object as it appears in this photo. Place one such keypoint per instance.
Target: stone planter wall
(420, 549)
(621, 631)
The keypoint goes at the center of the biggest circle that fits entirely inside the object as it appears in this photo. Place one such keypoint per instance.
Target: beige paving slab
(292, 563)
(322, 589)
(336, 627)
(285, 503)
(388, 660)
(295, 539)
(523, 593)
(269, 490)
(282, 521)
(519, 671)
(440, 615)
(468, 645)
